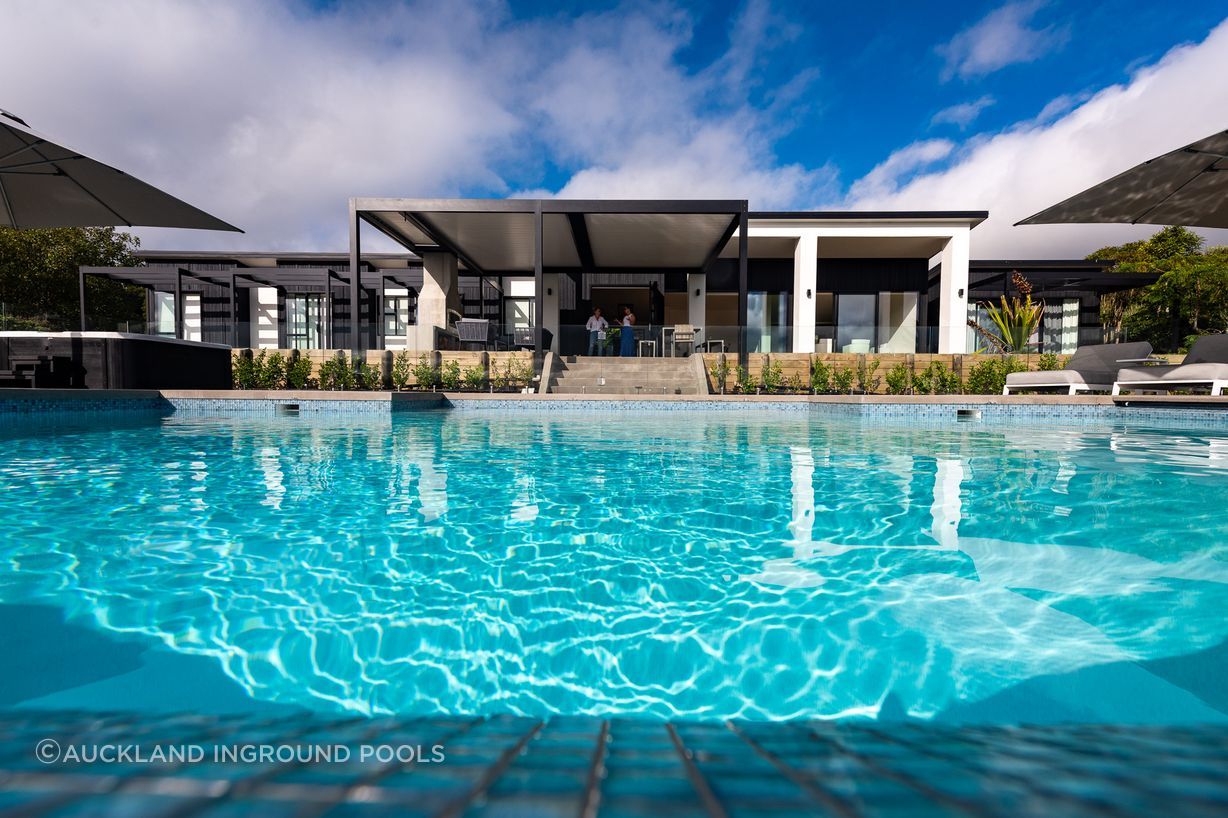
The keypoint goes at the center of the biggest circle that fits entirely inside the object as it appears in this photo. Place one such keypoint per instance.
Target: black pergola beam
(355, 280)
(539, 282)
(437, 235)
(743, 294)
(584, 246)
(715, 252)
(697, 206)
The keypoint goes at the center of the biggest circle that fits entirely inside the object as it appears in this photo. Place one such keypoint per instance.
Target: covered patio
(566, 246)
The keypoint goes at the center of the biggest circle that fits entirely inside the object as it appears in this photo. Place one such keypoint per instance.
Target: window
(897, 322)
(767, 322)
(164, 314)
(396, 316)
(519, 312)
(855, 314)
(1060, 326)
(303, 321)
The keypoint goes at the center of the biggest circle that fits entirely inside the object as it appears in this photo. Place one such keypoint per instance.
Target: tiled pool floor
(589, 767)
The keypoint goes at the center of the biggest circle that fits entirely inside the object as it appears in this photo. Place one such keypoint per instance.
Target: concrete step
(597, 371)
(612, 390)
(631, 363)
(619, 361)
(628, 383)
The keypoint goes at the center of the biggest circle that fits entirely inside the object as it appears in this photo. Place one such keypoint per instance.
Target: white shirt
(595, 323)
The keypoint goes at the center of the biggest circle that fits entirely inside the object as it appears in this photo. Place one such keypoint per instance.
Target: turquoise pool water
(703, 566)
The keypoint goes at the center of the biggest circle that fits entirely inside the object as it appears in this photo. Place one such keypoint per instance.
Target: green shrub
(1048, 361)
(899, 379)
(867, 380)
(772, 377)
(475, 377)
(521, 372)
(425, 373)
(742, 384)
(243, 370)
(612, 338)
(720, 373)
(271, 371)
(936, 379)
(820, 377)
(298, 371)
(402, 370)
(337, 373)
(450, 376)
(370, 376)
(795, 385)
(989, 376)
(842, 381)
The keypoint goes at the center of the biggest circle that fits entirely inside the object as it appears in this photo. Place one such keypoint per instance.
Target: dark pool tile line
(586, 766)
(84, 405)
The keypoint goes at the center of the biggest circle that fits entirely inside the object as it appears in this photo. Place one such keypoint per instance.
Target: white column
(953, 294)
(805, 280)
(697, 302)
(438, 292)
(550, 306)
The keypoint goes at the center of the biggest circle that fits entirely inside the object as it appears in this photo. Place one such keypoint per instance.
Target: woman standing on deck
(626, 337)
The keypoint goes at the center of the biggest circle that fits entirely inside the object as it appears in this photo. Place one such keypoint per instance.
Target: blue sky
(880, 71)
(272, 114)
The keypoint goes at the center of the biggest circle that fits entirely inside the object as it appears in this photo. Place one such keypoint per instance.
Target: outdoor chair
(474, 331)
(1205, 365)
(683, 334)
(1091, 369)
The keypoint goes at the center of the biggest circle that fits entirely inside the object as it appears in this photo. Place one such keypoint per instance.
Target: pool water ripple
(692, 566)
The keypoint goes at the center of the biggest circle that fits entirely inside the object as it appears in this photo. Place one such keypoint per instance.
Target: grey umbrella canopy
(1188, 186)
(43, 184)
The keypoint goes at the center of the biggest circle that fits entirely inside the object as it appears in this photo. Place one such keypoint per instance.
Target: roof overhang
(168, 277)
(971, 218)
(497, 235)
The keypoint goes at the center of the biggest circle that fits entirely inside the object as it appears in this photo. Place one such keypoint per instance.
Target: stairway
(575, 375)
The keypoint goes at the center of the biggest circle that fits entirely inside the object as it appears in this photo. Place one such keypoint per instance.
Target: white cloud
(1003, 37)
(1036, 164)
(618, 104)
(886, 177)
(962, 114)
(271, 115)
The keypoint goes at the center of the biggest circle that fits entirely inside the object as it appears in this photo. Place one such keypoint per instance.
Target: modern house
(750, 281)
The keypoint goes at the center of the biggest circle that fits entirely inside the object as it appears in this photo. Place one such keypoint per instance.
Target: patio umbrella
(43, 184)
(1188, 186)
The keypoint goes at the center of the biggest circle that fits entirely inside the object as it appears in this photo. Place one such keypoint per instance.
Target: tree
(1189, 299)
(39, 284)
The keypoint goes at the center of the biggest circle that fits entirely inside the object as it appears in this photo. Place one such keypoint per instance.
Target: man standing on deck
(596, 327)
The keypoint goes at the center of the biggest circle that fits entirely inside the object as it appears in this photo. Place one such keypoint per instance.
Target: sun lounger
(1205, 365)
(1090, 369)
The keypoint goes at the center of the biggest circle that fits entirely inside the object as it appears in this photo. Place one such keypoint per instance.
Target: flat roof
(271, 258)
(972, 217)
(498, 235)
(166, 277)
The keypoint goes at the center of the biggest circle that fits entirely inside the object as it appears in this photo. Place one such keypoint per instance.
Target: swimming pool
(703, 566)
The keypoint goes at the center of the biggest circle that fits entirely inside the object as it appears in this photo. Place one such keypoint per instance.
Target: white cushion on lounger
(1056, 376)
(1198, 372)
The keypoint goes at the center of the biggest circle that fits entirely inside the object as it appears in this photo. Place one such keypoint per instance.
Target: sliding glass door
(303, 314)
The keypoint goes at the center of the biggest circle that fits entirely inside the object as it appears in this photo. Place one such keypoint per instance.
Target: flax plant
(1014, 321)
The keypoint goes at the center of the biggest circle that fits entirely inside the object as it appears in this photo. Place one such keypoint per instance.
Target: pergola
(501, 236)
(171, 278)
(1095, 276)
